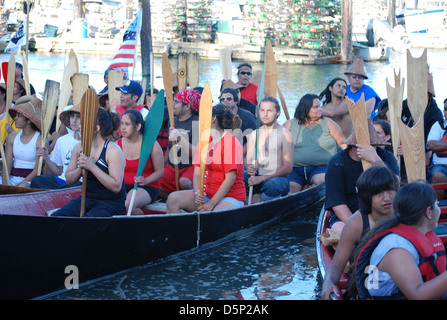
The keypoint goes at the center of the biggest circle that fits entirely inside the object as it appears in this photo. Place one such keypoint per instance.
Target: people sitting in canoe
(335, 106)
(186, 122)
(242, 103)
(132, 126)
(273, 146)
(343, 170)
(376, 187)
(315, 140)
(402, 258)
(356, 77)
(224, 170)
(105, 190)
(57, 162)
(21, 146)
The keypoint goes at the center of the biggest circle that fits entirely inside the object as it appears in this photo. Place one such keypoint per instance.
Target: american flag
(125, 56)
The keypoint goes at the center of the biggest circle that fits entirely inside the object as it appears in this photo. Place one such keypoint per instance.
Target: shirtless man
(335, 106)
(274, 157)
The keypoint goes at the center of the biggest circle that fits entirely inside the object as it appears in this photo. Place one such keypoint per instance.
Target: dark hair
(325, 95)
(244, 64)
(386, 127)
(148, 91)
(271, 99)
(382, 109)
(108, 122)
(372, 182)
(231, 91)
(225, 117)
(303, 107)
(136, 118)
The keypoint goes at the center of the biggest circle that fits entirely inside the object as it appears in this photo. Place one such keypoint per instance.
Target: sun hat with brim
(230, 84)
(374, 138)
(64, 114)
(30, 107)
(357, 68)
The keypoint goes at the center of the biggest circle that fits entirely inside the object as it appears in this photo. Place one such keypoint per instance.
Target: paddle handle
(250, 195)
(132, 199)
(84, 191)
(4, 164)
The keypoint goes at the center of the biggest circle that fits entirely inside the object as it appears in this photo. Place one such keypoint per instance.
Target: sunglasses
(248, 73)
(354, 76)
(222, 99)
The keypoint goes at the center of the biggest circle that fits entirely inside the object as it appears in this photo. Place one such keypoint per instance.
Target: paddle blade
(205, 116)
(71, 68)
(115, 80)
(271, 73)
(89, 114)
(152, 128)
(167, 83)
(181, 70)
(49, 104)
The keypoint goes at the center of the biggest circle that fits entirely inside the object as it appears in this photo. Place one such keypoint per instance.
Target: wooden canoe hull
(36, 249)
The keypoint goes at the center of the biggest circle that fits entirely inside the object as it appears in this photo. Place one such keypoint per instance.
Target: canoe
(325, 254)
(36, 249)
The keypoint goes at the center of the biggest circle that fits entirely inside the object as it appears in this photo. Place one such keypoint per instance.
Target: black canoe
(37, 249)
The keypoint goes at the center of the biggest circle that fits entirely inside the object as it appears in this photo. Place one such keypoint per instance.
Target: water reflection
(276, 263)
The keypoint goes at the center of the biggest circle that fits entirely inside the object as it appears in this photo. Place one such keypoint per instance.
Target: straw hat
(30, 107)
(374, 138)
(357, 67)
(70, 108)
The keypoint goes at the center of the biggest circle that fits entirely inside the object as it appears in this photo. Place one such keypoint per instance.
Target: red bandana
(191, 97)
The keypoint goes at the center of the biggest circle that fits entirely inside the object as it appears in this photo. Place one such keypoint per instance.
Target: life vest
(443, 154)
(431, 250)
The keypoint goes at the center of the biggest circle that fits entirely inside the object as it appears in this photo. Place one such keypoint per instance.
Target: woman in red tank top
(148, 184)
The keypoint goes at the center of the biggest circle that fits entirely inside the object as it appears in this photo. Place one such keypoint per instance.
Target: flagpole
(27, 28)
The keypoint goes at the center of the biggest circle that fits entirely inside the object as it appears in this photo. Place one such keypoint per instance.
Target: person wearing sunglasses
(356, 76)
(248, 89)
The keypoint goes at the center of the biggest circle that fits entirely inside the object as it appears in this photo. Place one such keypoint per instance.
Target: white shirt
(436, 133)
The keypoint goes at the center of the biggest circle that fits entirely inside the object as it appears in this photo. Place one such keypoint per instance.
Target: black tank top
(95, 189)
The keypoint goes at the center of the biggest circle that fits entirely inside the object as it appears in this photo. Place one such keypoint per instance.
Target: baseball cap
(131, 87)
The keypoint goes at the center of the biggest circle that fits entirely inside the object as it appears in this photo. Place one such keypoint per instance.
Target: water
(276, 263)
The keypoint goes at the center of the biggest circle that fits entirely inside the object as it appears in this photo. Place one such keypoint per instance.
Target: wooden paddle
(181, 70)
(4, 165)
(49, 104)
(152, 128)
(205, 116)
(271, 72)
(89, 114)
(193, 69)
(70, 69)
(417, 84)
(80, 85)
(255, 154)
(11, 79)
(225, 63)
(167, 83)
(395, 98)
(115, 80)
(26, 73)
(143, 96)
(357, 112)
(283, 103)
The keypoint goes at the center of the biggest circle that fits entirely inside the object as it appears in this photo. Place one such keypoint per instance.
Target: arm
(338, 112)
(74, 172)
(249, 166)
(402, 268)
(8, 155)
(230, 177)
(174, 134)
(336, 133)
(52, 167)
(116, 162)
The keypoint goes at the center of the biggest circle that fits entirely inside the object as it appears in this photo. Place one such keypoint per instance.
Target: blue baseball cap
(131, 87)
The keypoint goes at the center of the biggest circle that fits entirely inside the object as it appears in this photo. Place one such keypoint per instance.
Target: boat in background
(37, 249)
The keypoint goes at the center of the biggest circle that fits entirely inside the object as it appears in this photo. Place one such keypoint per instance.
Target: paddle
(167, 83)
(89, 114)
(193, 69)
(225, 63)
(205, 116)
(181, 70)
(271, 72)
(25, 73)
(80, 85)
(4, 165)
(10, 79)
(357, 112)
(395, 97)
(70, 69)
(255, 154)
(49, 104)
(413, 138)
(115, 80)
(152, 127)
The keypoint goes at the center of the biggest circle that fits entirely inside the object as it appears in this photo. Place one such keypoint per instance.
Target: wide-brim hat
(374, 138)
(230, 84)
(30, 107)
(357, 67)
(64, 114)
